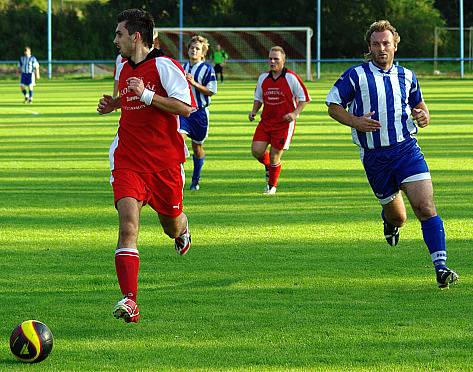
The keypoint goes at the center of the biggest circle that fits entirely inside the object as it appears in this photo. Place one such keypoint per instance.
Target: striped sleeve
(210, 79)
(343, 91)
(415, 94)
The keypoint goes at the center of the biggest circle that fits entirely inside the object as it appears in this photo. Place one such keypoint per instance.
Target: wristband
(147, 96)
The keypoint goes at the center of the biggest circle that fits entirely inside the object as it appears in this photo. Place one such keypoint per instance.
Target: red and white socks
(127, 265)
(274, 172)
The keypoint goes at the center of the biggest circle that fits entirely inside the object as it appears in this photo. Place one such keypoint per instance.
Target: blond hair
(278, 49)
(380, 26)
(202, 40)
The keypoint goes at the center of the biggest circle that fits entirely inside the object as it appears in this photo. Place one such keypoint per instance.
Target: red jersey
(279, 96)
(148, 139)
(119, 60)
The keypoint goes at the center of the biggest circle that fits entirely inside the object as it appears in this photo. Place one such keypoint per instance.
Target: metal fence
(239, 69)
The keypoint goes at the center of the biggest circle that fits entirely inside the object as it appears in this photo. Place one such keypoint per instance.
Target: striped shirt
(27, 64)
(204, 74)
(391, 95)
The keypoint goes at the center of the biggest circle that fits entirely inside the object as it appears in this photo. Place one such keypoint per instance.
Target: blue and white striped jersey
(204, 74)
(27, 64)
(391, 95)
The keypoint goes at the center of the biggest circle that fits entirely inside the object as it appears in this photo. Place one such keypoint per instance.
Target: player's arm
(168, 104)
(256, 106)
(294, 114)
(258, 97)
(37, 71)
(115, 88)
(421, 114)
(201, 88)
(172, 105)
(361, 123)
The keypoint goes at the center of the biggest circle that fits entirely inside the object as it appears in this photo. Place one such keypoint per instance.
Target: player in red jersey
(147, 153)
(284, 96)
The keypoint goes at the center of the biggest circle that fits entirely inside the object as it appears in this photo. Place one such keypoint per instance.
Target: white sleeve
(297, 89)
(333, 96)
(173, 80)
(118, 62)
(118, 70)
(212, 86)
(259, 89)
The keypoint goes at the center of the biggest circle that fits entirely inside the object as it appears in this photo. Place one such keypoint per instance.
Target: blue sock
(31, 94)
(24, 92)
(434, 238)
(198, 164)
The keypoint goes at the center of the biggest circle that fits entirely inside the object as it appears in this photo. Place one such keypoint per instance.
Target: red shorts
(162, 190)
(278, 136)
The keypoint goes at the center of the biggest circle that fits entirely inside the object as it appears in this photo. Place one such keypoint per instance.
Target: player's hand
(136, 85)
(421, 117)
(106, 105)
(365, 123)
(190, 78)
(251, 116)
(289, 117)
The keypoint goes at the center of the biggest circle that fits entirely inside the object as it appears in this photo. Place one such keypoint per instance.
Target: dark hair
(138, 20)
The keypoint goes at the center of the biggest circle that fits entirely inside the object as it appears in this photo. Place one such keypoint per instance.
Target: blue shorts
(27, 79)
(196, 126)
(388, 168)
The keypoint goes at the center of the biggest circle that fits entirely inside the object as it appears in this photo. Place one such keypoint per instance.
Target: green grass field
(300, 281)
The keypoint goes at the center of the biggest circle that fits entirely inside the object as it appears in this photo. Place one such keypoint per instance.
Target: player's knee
(128, 232)
(399, 220)
(198, 151)
(425, 210)
(172, 231)
(257, 153)
(275, 158)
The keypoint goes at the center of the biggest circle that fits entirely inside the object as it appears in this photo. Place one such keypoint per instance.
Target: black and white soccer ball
(31, 341)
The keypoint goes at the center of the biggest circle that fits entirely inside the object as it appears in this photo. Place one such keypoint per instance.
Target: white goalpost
(247, 47)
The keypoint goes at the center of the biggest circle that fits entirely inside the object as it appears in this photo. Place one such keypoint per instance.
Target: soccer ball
(31, 341)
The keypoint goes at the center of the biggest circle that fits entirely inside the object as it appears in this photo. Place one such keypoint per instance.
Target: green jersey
(219, 56)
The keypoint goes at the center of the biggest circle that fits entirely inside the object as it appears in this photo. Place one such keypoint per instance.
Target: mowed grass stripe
(301, 281)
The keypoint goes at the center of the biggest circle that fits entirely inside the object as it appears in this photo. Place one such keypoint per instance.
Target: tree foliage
(450, 10)
(88, 32)
(414, 20)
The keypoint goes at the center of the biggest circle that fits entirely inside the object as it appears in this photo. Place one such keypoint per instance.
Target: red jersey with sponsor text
(148, 139)
(279, 96)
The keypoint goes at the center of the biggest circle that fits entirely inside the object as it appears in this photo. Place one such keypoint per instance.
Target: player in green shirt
(219, 56)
